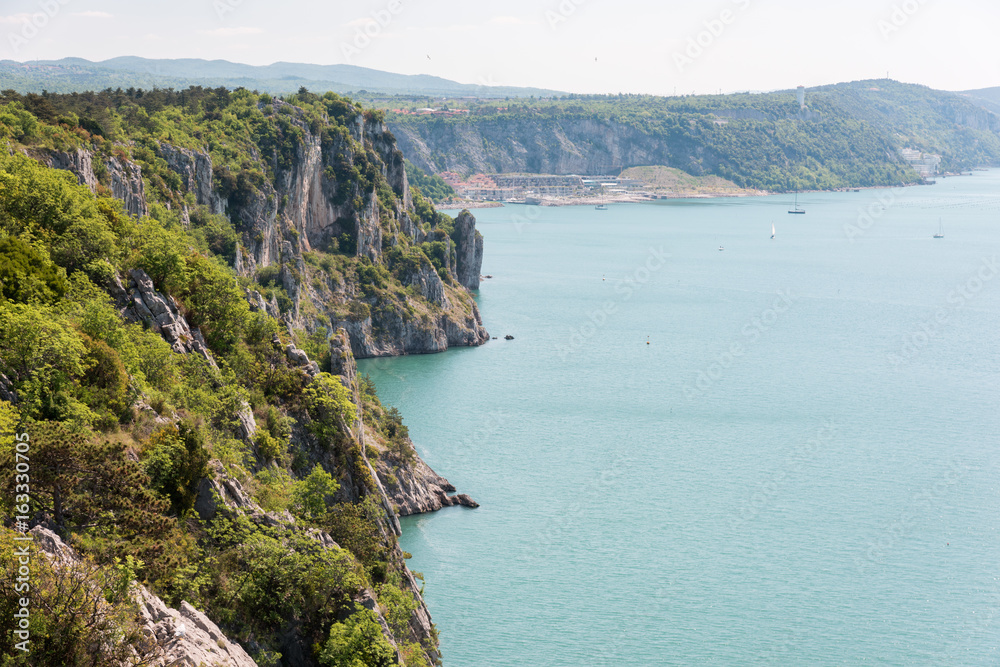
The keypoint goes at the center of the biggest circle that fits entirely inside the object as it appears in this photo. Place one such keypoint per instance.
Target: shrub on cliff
(26, 274)
(357, 642)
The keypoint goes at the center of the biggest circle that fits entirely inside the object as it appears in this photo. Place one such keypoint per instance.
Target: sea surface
(783, 452)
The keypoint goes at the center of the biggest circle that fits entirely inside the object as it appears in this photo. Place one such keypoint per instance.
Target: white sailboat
(772, 230)
(940, 233)
(797, 210)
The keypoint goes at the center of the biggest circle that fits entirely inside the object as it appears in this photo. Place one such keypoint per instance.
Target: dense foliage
(124, 429)
(430, 186)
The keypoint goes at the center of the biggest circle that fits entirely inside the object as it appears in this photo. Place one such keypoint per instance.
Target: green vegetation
(431, 186)
(124, 429)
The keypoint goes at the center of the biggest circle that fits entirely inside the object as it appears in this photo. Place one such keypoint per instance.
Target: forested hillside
(69, 75)
(849, 136)
(185, 280)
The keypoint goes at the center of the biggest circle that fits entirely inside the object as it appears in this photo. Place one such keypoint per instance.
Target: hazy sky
(589, 46)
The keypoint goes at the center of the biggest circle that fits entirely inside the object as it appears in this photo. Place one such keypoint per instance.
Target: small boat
(797, 210)
(940, 232)
(772, 230)
(601, 207)
(721, 248)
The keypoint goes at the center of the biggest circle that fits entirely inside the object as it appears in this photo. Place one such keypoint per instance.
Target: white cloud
(232, 32)
(15, 19)
(93, 15)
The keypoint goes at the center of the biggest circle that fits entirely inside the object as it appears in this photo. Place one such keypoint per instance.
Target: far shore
(642, 198)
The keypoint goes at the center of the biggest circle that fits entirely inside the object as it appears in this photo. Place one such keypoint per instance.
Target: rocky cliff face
(313, 202)
(544, 146)
(414, 488)
(174, 637)
(122, 177)
(195, 170)
(127, 185)
(311, 206)
(142, 303)
(468, 250)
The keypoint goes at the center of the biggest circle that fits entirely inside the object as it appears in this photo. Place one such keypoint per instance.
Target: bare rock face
(182, 637)
(388, 333)
(544, 146)
(309, 205)
(195, 170)
(428, 283)
(160, 314)
(7, 392)
(300, 359)
(342, 362)
(414, 488)
(140, 302)
(187, 636)
(80, 162)
(220, 492)
(52, 544)
(125, 177)
(468, 250)
(127, 185)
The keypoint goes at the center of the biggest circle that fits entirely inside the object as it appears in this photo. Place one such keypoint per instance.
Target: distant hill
(850, 135)
(988, 98)
(78, 75)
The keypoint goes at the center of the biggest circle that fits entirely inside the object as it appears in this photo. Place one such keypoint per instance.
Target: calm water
(800, 468)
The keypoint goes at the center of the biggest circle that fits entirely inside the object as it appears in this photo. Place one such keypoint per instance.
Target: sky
(582, 46)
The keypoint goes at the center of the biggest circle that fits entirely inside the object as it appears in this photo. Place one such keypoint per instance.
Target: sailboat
(940, 233)
(772, 230)
(797, 210)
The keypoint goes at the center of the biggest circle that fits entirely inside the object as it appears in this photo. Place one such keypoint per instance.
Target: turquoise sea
(785, 452)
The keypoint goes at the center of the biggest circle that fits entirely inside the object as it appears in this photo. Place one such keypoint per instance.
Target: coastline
(642, 198)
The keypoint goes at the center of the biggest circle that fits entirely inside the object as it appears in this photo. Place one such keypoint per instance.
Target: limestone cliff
(310, 206)
(414, 488)
(172, 637)
(564, 145)
(331, 191)
(122, 177)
